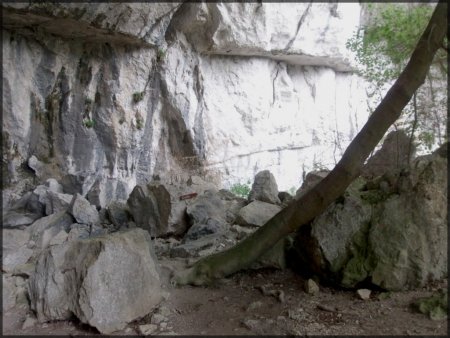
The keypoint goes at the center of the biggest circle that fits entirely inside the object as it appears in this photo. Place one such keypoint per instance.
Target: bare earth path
(237, 306)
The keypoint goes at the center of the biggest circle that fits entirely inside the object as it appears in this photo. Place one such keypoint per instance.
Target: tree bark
(310, 205)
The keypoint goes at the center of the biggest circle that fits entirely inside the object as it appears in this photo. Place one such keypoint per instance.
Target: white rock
(148, 329)
(364, 294)
(29, 322)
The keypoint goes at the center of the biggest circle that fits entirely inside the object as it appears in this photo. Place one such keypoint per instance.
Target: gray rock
(67, 278)
(212, 226)
(148, 329)
(9, 292)
(54, 186)
(118, 213)
(202, 246)
(14, 219)
(30, 321)
(311, 179)
(285, 197)
(256, 213)
(45, 228)
(207, 206)
(83, 211)
(363, 294)
(393, 233)
(78, 231)
(311, 287)
(394, 154)
(55, 202)
(264, 188)
(150, 207)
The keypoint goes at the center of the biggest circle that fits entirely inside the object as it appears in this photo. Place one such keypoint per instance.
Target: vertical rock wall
(105, 96)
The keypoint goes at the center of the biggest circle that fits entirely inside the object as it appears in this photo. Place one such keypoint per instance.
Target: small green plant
(139, 123)
(138, 96)
(88, 123)
(122, 120)
(160, 54)
(87, 101)
(241, 190)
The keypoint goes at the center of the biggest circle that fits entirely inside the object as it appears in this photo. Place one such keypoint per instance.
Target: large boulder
(264, 188)
(150, 207)
(256, 213)
(106, 281)
(15, 249)
(391, 230)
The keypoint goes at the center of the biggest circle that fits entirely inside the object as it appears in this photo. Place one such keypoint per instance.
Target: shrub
(138, 96)
(241, 190)
(88, 123)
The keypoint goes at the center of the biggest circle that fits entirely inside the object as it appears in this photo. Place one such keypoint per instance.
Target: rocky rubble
(390, 230)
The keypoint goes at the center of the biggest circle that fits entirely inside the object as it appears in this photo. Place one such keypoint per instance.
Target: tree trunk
(310, 205)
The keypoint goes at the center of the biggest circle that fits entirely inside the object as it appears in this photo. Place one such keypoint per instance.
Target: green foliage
(88, 123)
(241, 190)
(160, 54)
(139, 123)
(384, 47)
(138, 96)
(435, 306)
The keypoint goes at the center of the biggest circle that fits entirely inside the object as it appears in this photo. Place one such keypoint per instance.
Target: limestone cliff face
(105, 96)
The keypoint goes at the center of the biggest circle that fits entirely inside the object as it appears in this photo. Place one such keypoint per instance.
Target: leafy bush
(241, 190)
(138, 96)
(88, 123)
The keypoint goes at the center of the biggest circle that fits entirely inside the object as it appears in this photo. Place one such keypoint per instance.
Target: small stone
(251, 324)
(311, 287)
(129, 330)
(281, 319)
(226, 298)
(29, 322)
(148, 329)
(158, 318)
(254, 305)
(364, 294)
(163, 325)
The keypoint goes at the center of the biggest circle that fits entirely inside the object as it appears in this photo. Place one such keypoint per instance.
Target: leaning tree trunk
(303, 210)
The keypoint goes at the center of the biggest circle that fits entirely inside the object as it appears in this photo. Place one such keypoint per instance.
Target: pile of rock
(62, 256)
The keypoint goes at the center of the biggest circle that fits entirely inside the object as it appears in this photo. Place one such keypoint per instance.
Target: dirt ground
(238, 306)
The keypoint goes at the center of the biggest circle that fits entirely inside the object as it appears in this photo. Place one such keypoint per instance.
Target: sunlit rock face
(106, 96)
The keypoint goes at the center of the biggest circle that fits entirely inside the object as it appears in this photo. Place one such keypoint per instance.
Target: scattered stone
(55, 202)
(83, 211)
(59, 238)
(256, 213)
(364, 294)
(206, 207)
(158, 318)
(212, 226)
(45, 228)
(14, 219)
(78, 231)
(118, 213)
(29, 322)
(254, 305)
(264, 188)
(67, 278)
(311, 287)
(148, 329)
(251, 324)
(327, 308)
